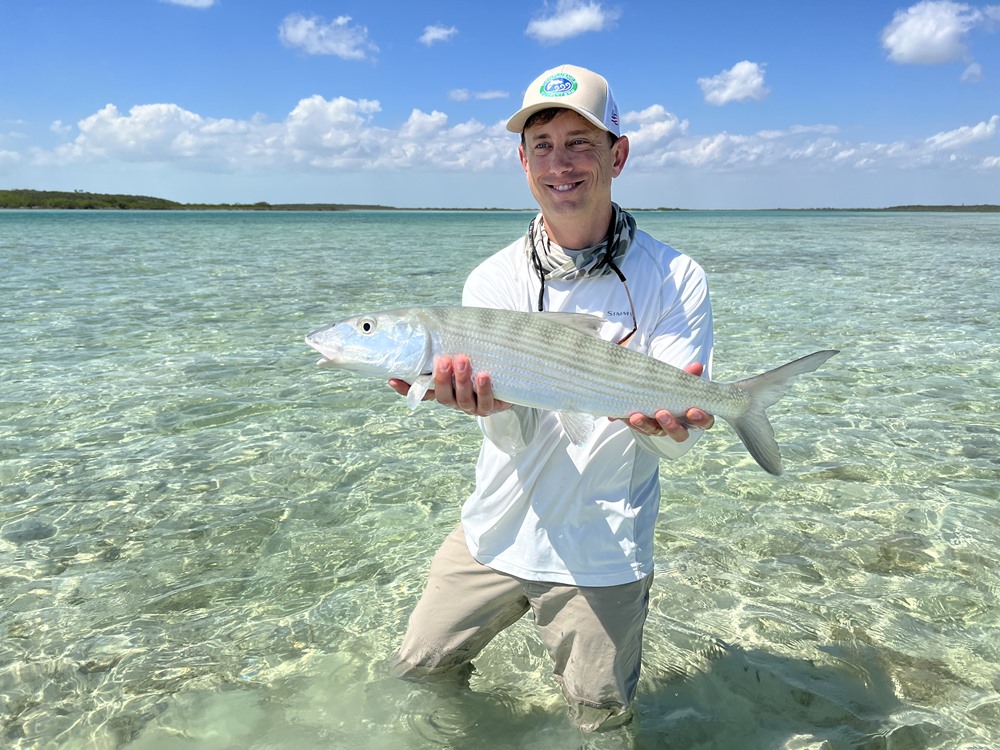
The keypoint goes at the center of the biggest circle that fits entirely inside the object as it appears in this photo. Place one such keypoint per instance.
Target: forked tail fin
(764, 390)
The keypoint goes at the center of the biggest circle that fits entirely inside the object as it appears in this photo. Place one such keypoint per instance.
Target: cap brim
(516, 123)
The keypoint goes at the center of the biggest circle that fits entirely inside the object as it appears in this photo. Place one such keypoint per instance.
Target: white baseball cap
(570, 87)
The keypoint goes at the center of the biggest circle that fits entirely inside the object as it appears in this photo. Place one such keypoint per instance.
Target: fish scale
(568, 370)
(555, 362)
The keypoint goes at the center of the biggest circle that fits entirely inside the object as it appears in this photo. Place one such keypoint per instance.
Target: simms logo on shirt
(560, 84)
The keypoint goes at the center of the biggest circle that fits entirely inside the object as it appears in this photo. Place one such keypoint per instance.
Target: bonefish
(557, 362)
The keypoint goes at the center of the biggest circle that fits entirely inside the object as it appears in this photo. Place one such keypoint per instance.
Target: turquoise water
(208, 542)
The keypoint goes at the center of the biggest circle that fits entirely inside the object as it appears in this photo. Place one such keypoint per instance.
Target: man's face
(570, 164)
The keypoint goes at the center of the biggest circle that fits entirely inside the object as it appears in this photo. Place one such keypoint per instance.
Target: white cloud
(191, 3)
(318, 134)
(661, 140)
(315, 37)
(973, 73)
(147, 133)
(933, 31)
(464, 95)
(434, 34)
(421, 125)
(652, 128)
(964, 136)
(572, 18)
(743, 81)
(342, 136)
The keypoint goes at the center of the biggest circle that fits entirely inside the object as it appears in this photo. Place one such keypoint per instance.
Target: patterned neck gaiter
(552, 262)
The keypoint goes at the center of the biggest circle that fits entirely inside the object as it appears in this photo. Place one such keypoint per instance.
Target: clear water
(208, 542)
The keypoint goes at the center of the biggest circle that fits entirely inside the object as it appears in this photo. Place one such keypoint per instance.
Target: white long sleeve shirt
(543, 508)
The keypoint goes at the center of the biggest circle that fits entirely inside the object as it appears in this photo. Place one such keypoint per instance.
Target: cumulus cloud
(934, 31)
(661, 140)
(572, 18)
(342, 135)
(653, 128)
(434, 34)
(316, 37)
(318, 134)
(742, 82)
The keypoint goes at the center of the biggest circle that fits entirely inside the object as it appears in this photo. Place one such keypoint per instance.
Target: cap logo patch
(560, 84)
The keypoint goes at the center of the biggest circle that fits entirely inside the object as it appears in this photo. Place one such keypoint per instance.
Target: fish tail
(753, 426)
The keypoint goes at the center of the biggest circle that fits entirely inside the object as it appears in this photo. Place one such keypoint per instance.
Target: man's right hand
(454, 387)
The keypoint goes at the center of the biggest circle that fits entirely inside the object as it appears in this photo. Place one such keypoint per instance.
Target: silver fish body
(556, 362)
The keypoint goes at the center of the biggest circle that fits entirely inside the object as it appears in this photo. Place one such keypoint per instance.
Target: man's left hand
(666, 424)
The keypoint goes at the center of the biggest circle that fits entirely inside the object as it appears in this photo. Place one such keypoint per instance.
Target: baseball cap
(570, 87)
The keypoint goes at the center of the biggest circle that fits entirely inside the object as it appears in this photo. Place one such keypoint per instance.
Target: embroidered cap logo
(560, 84)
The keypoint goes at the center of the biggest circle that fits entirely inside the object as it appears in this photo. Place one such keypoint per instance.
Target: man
(561, 529)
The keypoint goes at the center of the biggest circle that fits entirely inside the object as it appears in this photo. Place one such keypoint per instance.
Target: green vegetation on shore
(81, 200)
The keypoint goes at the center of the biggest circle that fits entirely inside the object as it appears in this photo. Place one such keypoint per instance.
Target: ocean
(206, 541)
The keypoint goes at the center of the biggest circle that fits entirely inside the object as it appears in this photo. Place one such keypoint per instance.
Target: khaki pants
(593, 634)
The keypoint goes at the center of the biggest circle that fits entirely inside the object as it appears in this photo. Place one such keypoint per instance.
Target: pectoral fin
(578, 427)
(418, 389)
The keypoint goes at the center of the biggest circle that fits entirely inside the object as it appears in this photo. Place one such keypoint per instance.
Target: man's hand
(665, 423)
(454, 387)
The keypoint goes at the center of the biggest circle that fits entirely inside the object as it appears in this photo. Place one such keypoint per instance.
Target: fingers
(699, 419)
(457, 387)
(674, 428)
(665, 424)
(444, 388)
(399, 386)
(485, 403)
(662, 424)
(695, 368)
(465, 392)
(453, 383)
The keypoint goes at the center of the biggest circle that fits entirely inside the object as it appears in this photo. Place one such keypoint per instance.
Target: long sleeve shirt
(543, 508)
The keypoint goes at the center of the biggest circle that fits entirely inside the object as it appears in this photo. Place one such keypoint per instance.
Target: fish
(554, 361)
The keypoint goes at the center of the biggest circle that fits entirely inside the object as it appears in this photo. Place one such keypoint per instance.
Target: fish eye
(366, 325)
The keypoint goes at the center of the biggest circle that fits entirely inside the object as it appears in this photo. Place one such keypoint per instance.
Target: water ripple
(206, 540)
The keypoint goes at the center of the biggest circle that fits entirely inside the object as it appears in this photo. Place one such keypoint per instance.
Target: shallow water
(208, 542)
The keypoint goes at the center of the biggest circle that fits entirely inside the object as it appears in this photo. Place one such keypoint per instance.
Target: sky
(727, 105)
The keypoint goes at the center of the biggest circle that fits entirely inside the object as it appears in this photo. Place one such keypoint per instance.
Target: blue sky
(727, 105)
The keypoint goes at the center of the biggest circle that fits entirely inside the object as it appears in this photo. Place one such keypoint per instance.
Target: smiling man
(563, 530)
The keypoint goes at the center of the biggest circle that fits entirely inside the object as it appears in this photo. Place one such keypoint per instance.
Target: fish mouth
(330, 354)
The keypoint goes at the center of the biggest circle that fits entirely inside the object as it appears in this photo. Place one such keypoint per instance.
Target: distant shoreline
(52, 199)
